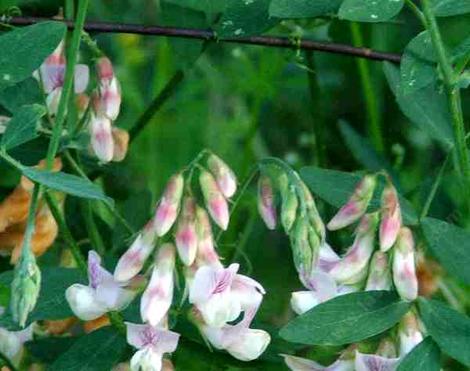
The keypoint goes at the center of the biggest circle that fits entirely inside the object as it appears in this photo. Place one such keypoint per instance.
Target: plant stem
(372, 106)
(453, 93)
(116, 320)
(155, 105)
(64, 229)
(418, 13)
(92, 229)
(68, 83)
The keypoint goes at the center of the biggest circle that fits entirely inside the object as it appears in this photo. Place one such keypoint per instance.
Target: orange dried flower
(96, 324)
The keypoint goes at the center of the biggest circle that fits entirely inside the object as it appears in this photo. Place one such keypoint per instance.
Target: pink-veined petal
(83, 302)
(372, 362)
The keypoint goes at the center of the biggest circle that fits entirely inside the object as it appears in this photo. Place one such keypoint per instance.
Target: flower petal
(372, 362)
(82, 301)
(146, 360)
(81, 78)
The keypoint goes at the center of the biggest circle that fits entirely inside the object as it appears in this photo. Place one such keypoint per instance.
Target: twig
(189, 33)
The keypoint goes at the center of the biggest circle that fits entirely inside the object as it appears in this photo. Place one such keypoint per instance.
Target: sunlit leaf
(370, 10)
(303, 8)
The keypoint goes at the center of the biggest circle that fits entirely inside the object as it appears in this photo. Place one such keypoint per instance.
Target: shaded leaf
(67, 183)
(47, 350)
(22, 126)
(24, 93)
(24, 49)
(370, 10)
(346, 319)
(426, 356)
(450, 245)
(446, 8)
(449, 329)
(303, 8)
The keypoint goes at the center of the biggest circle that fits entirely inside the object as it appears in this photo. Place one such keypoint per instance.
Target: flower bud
(104, 69)
(353, 266)
(158, 296)
(167, 210)
(131, 263)
(249, 345)
(224, 176)
(57, 57)
(11, 342)
(109, 102)
(81, 102)
(215, 201)
(312, 211)
(391, 218)
(266, 202)
(379, 273)
(186, 237)
(121, 143)
(303, 301)
(372, 362)
(102, 138)
(289, 207)
(206, 254)
(25, 288)
(404, 271)
(301, 250)
(409, 333)
(356, 205)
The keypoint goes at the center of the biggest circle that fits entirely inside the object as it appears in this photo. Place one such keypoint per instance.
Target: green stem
(64, 229)
(31, 222)
(434, 188)
(418, 13)
(92, 229)
(453, 92)
(68, 83)
(372, 106)
(117, 321)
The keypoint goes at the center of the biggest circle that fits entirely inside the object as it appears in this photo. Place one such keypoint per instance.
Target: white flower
(11, 342)
(373, 362)
(102, 295)
(152, 343)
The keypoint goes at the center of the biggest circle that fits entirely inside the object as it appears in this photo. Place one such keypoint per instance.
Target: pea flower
(121, 144)
(101, 134)
(409, 333)
(356, 206)
(206, 253)
(186, 237)
(391, 218)
(152, 343)
(214, 199)
(224, 176)
(379, 273)
(303, 364)
(132, 261)
(108, 101)
(404, 270)
(102, 295)
(266, 203)
(168, 207)
(11, 342)
(158, 296)
(373, 362)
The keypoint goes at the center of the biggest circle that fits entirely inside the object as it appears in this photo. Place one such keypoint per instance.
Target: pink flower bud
(186, 237)
(404, 271)
(104, 68)
(391, 218)
(352, 268)
(121, 143)
(379, 273)
(102, 138)
(206, 254)
(215, 201)
(224, 176)
(167, 209)
(108, 102)
(356, 205)
(409, 333)
(158, 296)
(131, 263)
(57, 56)
(266, 202)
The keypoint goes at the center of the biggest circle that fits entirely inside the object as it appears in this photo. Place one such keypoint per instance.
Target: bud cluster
(107, 142)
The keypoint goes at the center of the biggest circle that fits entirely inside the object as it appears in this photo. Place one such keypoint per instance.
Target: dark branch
(269, 41)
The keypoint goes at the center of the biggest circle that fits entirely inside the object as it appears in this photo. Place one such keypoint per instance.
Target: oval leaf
(449, 329)
(450, 245)
(303, 8)
(22, 126)
(24, 50)
(447, 8)
(346, 319)
(426, 356)
(370, 10)
(67, 183)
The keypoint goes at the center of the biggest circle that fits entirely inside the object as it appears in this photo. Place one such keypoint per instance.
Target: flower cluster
(219, 295)
(107, 142)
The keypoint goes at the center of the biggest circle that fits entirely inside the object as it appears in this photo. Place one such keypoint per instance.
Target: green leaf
(346, 319)
(335, 187)
(67, 183)
(446, 8)
(25, 49)
(51, 302)
(22, 126)
(24, 93)
(426, 107)
(418, 67)
(207, 6)
(98, 351)
(303, 8)
(47, 350)
(449, 329)
(426, 356)
(370, 10)
(245, 18)
(450, 245)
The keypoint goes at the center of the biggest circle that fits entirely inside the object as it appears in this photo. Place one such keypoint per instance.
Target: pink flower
(356, 205)
(108, 101)
(391, 218)
(168, 207)
(102, 138)
(158, 296)
(152, 343)
(215, 201)
(266, 203)
(186, 237)
(373, 362)
(409, 333)
(224, 176)
(206, 253)
(404, 270)
(322, 287)
(379, 273)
